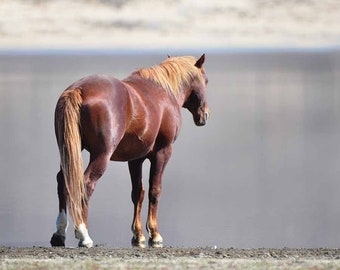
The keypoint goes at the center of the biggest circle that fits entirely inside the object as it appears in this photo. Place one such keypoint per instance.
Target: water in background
(264, 172)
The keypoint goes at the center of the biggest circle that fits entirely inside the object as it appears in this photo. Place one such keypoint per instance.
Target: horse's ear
(200, 61)
(169, 56)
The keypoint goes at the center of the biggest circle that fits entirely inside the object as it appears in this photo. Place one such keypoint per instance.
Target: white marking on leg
(62, 223)
(82, 234)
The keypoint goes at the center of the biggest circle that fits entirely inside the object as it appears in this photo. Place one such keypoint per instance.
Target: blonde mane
(172, 74)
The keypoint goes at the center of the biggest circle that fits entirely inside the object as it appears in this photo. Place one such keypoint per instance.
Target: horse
(129, 120)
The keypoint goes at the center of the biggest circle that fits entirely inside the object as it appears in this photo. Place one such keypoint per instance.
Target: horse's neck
(135, 79)
(182, 96)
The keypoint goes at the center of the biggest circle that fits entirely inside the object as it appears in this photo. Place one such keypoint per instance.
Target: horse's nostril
(206, 116)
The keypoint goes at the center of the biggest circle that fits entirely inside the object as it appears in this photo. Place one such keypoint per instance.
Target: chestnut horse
(130, 120)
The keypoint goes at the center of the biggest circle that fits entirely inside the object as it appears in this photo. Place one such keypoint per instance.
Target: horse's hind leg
(58, 238)
(93, 172)
(137, 196)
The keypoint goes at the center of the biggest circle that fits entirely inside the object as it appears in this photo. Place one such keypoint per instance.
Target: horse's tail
(67, 126)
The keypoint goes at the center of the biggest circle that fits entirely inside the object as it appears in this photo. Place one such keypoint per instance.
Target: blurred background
(264, 171)
(131, 24)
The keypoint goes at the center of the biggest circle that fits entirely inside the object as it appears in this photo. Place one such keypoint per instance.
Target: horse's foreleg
(93, 172)
(137, 196)
(58, 238)
(158, 163)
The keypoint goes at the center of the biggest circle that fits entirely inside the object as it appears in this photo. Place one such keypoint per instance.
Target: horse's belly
(131, 147)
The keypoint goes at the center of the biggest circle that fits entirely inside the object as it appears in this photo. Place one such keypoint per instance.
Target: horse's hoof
(57, 240)
(156, 242)
(138, 241)
(82, 234)
(86, 244)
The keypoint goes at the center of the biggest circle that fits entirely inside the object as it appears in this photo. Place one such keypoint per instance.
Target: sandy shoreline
(168, 252)
(167, 258)
(168, 24)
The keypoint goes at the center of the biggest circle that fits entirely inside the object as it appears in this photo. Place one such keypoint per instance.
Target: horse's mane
(172, 74)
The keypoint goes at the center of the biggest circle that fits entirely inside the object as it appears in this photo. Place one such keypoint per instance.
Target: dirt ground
(167, 258)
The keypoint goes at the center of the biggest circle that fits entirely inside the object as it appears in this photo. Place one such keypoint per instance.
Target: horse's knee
(154, 194)
(137, 194)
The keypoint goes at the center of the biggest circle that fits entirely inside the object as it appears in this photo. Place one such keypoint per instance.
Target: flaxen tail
(67, 125)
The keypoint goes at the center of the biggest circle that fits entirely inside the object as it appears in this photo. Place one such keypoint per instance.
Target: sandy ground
(162, 24)
(167, 258)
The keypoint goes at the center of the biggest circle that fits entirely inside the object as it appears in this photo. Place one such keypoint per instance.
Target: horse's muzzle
(203, 117)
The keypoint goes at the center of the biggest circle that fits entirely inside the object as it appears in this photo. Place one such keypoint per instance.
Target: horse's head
(196, 102)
